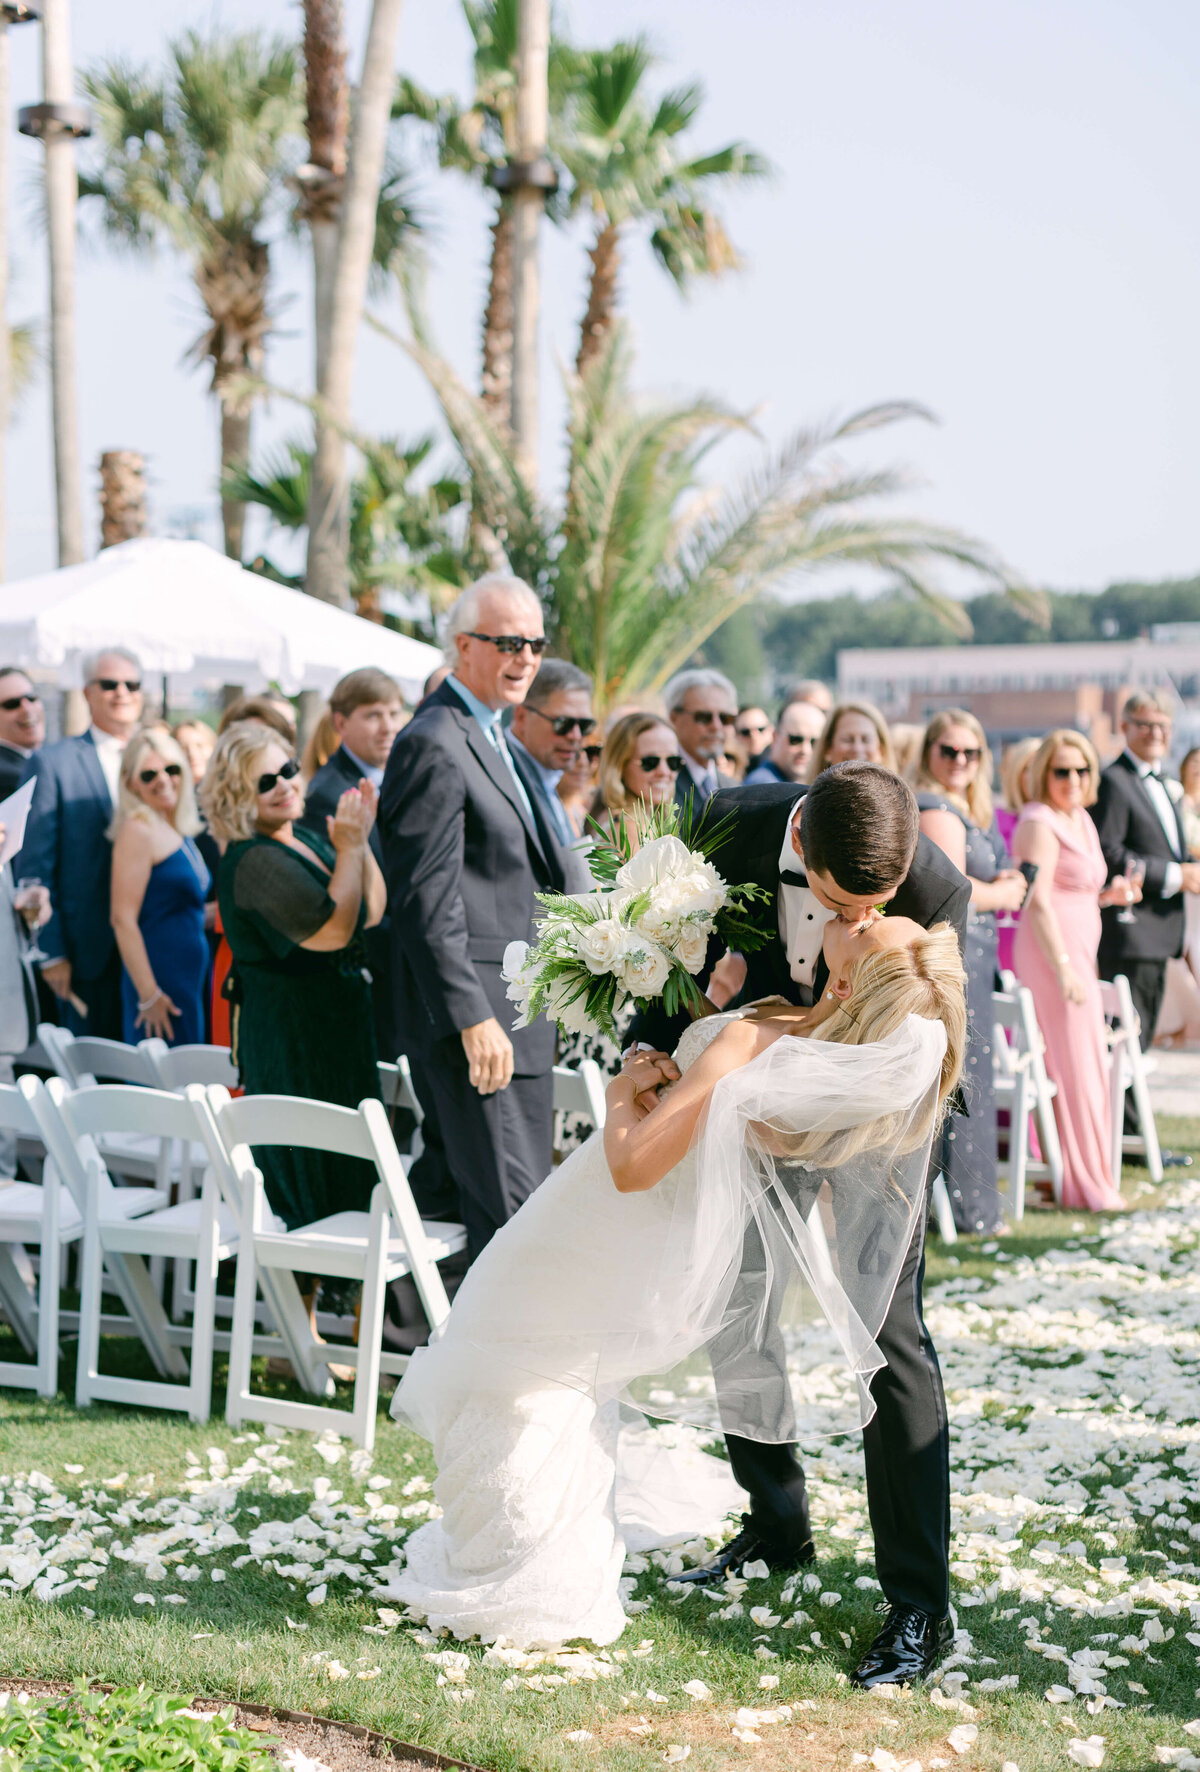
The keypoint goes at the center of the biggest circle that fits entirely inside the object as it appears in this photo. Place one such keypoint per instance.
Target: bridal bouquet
(643, 934)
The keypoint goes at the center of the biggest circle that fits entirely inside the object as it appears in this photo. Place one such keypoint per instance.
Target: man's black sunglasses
(651, 763)
(800, 738)
(110, 685)
(513, 642)
(15, 701)
(564, 724)
(705, 716)
(146, 776)
(290, 770)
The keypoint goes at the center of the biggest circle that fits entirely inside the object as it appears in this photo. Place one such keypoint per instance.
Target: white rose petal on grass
(316, 1595)
(677, 1753)
(962, 1737)
(143, 1599)
(699, 1691)
(580, 1735)
(829, 1599)
(768, 1682)
(756, 1571)
(1089, 1752)
(1059, 1695)
(292, 1625)
(1010, 1766)
(764, 1618)
(218, 1575)
(335, 1671)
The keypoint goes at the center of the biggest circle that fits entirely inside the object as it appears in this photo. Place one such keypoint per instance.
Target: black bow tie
(791, 877)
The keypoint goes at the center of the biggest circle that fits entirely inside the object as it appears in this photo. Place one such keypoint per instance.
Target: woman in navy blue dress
(159, 886)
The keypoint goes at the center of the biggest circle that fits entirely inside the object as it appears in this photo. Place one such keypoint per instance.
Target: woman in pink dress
(1055, 955)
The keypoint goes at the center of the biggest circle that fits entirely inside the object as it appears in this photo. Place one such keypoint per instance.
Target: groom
(846, 844)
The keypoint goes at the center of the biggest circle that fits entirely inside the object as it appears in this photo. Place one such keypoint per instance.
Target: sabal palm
(196, 157)
(645, 560)
(629, 166)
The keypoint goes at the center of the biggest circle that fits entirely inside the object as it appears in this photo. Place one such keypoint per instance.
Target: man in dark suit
(367, 711)
(22, 727)
(547, 731)
(1138, 821)
(464, 857)
(862, 848)
(702, 707)
(67, 846)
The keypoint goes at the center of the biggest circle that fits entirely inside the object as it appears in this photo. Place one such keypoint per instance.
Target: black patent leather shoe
(909, 1646)
(747, 1547)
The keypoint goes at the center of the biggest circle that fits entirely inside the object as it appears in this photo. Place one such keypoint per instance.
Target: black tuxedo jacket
(13, 769)
(463, 861)
(1129, 825)
(933, 892)
(569, 864)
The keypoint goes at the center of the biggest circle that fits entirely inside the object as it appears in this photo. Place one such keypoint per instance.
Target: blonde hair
(1012, 771)
(887, 756)
(186, 820)
(925, 978)
(1039, 769)
(619, 745)
(323, 741)
(906, 743)
(229, 791)
(977, 801)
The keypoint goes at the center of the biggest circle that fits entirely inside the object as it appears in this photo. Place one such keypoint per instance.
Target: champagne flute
(1135, 873)
(33, 892)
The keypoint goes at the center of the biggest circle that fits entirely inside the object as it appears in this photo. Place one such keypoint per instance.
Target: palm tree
(626, 159)
(478, 140)
(647, 558)
(400, 533)
(197, 157)
(327, 118)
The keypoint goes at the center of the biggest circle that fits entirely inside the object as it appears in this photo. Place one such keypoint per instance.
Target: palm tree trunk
(496, 380)
(601, 314)
(328, 569)
(328, 116)
(235, 453)
(122, 496)
(58, 83)
(533, 106)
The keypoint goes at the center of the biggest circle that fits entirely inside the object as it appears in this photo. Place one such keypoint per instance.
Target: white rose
(571, 1016)
(666, 858)
(599, 943)
(691, 946)
(643, 968)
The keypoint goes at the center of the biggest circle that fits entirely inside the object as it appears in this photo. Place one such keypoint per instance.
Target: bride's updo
(923, 977)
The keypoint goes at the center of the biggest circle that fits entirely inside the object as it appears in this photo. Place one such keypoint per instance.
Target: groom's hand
(651, 1071)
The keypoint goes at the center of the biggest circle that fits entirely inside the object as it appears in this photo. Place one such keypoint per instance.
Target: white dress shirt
(704, 775)
(372, 772)
(1163, 805)
(802, 919)
(109, 749)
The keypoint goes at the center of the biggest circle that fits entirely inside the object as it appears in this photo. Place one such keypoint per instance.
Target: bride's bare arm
(641, 1150)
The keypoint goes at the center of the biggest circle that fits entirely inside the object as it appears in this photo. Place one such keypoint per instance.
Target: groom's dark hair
(860, 825)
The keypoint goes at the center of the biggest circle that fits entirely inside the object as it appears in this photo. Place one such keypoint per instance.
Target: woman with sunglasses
(578, 785)
(954, 793)
(294, 905)
(1055, 951)
(639, 766)
(159, 885)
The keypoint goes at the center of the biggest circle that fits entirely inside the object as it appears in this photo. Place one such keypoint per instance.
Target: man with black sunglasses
(702, 706)
(67, 845)
(547, 730)
(22, 726)
(465, 853)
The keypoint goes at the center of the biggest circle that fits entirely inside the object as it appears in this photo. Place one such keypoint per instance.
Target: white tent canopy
(190, 614)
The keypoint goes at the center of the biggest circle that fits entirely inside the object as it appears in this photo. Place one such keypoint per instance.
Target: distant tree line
(764, 647)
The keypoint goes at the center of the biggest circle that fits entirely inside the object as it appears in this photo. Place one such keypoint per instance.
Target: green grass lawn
(1070, 1366)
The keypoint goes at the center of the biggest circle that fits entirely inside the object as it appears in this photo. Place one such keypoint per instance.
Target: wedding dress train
(541, 1487)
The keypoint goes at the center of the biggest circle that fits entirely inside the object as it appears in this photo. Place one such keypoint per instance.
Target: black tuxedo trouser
(105, 1017)
(490, 1151)
(1147, 982)
(906, 1447)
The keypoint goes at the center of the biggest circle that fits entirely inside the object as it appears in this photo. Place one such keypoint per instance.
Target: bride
(795, 1143)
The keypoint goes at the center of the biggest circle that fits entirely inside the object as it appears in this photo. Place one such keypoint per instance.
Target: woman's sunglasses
(290, 770)
(565, 724)
(953, 753)
(650, 764)
(593, 752)
(146, 776)
(1068, 770)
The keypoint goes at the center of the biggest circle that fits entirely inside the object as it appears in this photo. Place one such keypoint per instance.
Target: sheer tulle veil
(808, 1166)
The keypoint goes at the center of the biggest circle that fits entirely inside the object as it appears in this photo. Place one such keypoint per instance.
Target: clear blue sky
(989, 209)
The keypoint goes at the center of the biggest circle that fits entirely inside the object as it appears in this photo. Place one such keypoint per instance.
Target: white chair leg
(370, 1323)
(1018, 1147)
(87, 1368)
(203, 1320)
(245, 1292)
(294, 1324)
(1145, 1114)
(132, 1281)
(1117, 1082)
(947, 1230)
(16, 1301)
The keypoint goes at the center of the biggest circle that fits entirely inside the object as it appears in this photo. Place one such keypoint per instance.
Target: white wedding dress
(541, 1487)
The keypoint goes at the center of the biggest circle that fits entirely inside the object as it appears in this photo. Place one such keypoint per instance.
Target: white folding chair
(375, 1247)
(943, 1212)
(203, 1230)
(175, 1067)
(1130, 1071)
(1019, 1043)
(33, 1216)
(82, 1063)
(578, 1090)
(396, 1088)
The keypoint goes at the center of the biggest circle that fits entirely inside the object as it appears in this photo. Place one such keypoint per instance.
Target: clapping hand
(351, 825)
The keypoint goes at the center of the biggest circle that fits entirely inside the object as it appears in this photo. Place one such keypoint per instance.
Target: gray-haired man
(702, 707)
(547, 730)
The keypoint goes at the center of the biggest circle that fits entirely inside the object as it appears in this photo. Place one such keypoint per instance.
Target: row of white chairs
(171, 1120)
(1026, 1090)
